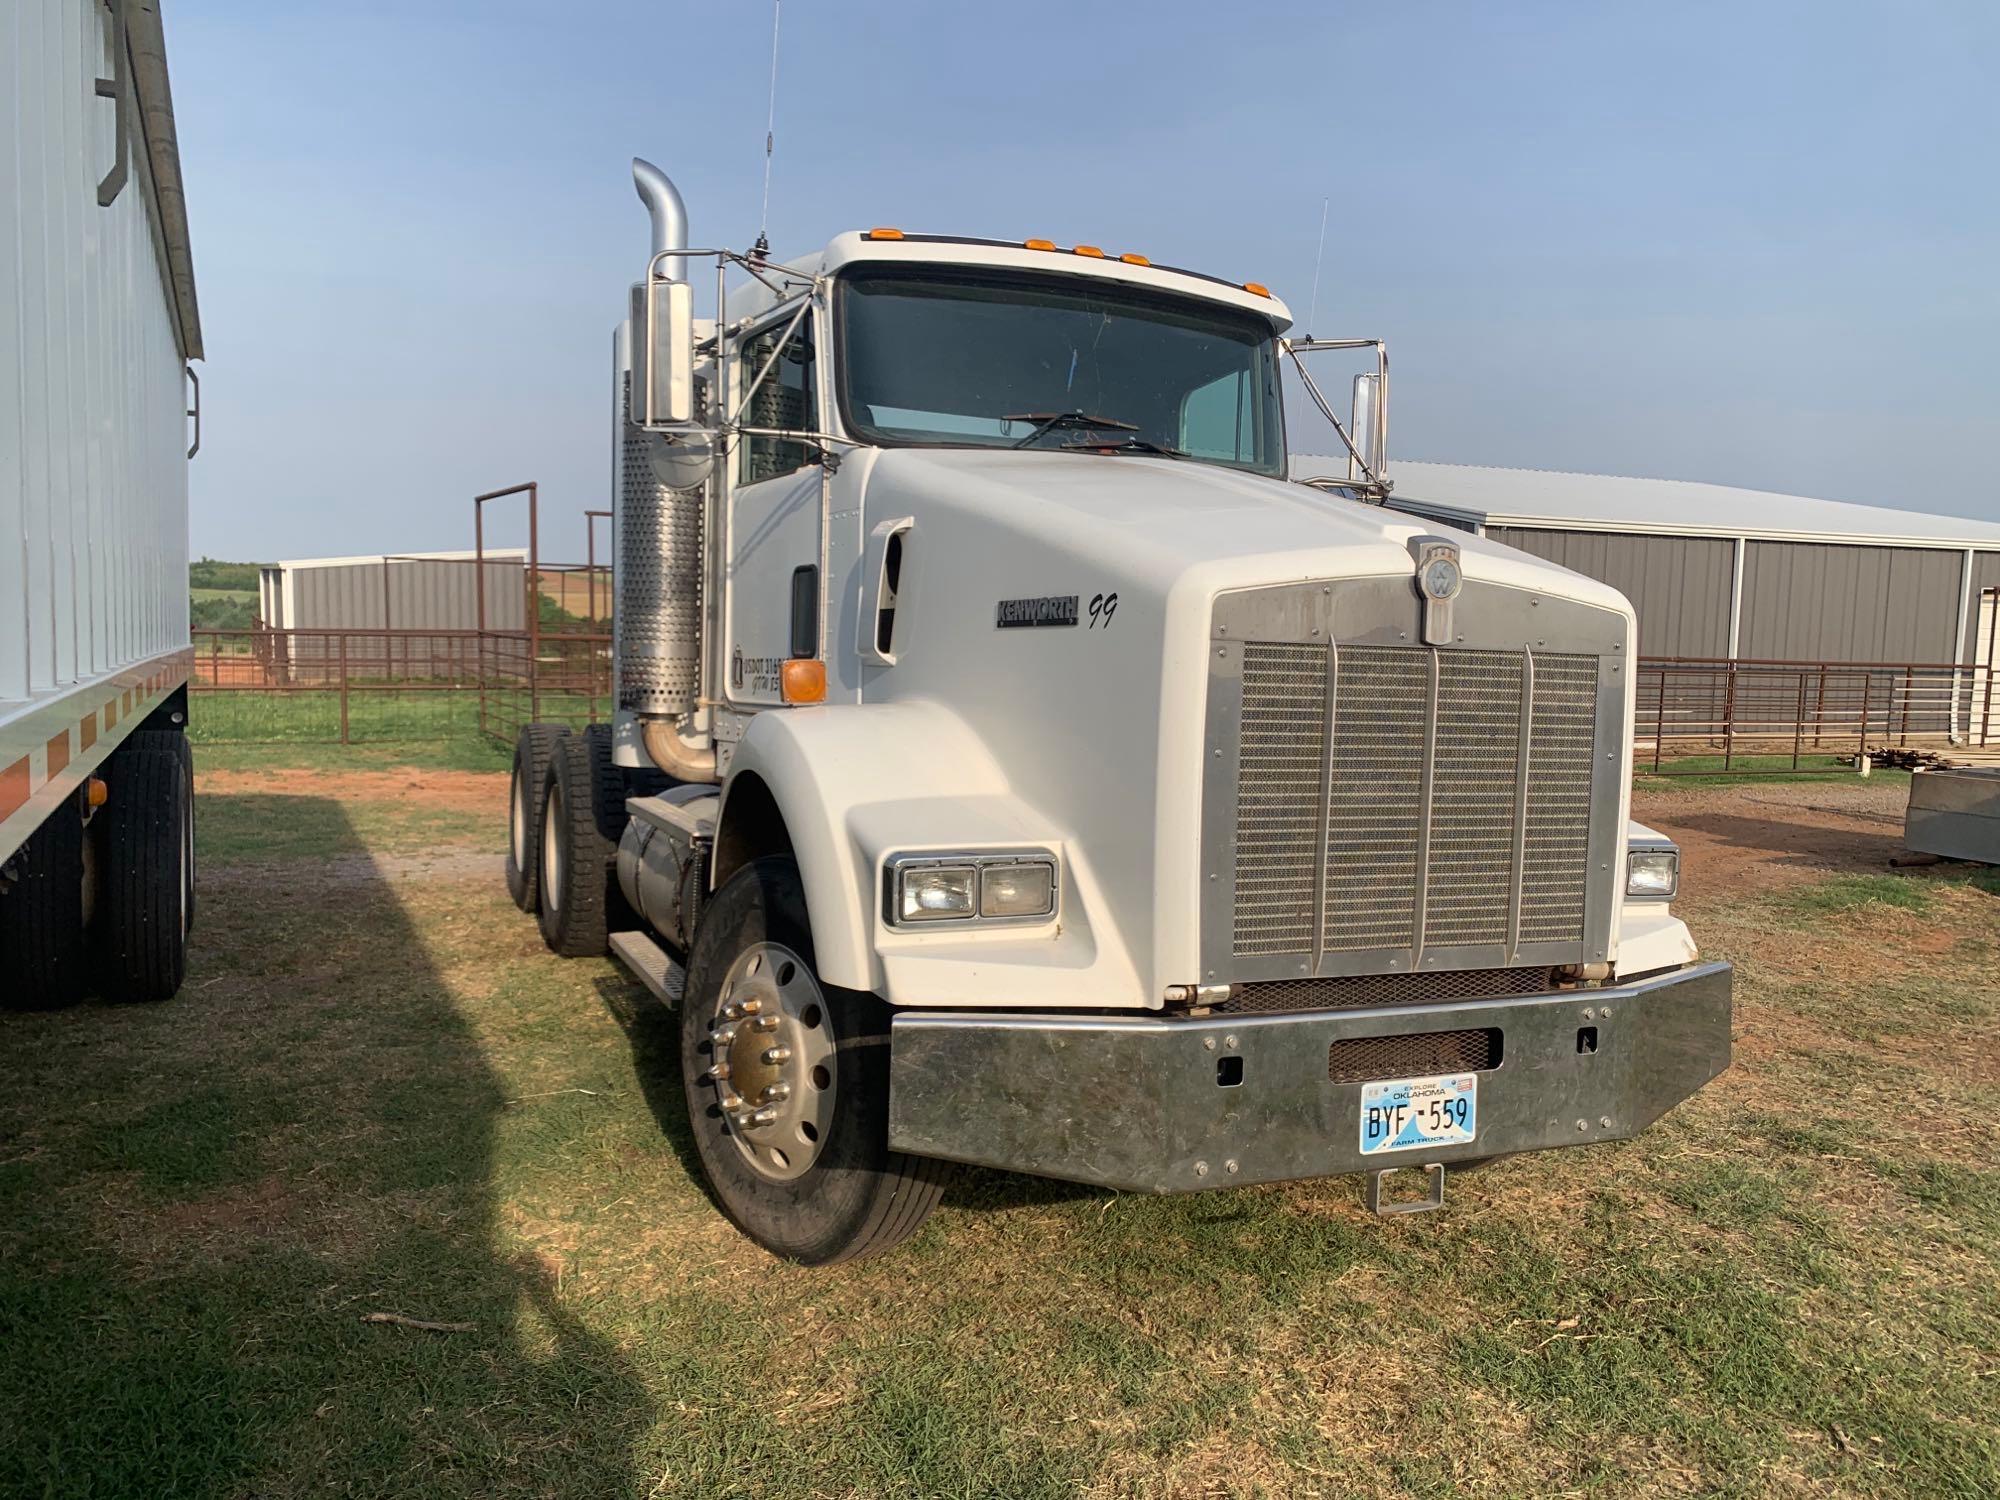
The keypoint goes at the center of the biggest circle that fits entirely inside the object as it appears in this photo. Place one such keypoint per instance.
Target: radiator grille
(1392, 880)
(1369, 1059)
(1356, 991)
(1277, 804)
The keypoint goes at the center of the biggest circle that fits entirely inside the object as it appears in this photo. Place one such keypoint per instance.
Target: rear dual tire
(139, 847)
(532, 750)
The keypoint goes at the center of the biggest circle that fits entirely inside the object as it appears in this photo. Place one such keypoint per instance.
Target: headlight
(1026, 889)
(938, 893)
(1652, 871)
(980, 888)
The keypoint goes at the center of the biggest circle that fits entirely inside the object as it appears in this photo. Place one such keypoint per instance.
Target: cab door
(772, 585)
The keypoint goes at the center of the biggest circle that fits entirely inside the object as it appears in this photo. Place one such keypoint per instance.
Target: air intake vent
(1369, 1059)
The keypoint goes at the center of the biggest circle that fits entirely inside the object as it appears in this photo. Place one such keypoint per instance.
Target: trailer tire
(532, 749)
(177, 741)
(145, 877)
(577, 864)
(42, 954)
(853, 1196)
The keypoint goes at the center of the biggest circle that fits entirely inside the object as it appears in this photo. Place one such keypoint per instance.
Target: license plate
(1410, 1113)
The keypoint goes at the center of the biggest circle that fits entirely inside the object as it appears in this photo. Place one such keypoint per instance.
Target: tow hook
(1434, 1198)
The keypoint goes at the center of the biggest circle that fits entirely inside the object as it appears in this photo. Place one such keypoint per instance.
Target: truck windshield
(942, 357)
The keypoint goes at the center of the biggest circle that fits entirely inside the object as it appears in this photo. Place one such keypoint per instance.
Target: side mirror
(1366, 424)
(662, 353)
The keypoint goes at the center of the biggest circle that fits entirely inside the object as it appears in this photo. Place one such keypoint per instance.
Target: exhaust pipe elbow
(674, 755)
(669, 214)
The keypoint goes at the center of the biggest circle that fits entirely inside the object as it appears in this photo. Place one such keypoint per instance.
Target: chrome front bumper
(1143, 1103)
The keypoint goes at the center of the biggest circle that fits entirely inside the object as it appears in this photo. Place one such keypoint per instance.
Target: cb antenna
(1312, 312)
(770, 137)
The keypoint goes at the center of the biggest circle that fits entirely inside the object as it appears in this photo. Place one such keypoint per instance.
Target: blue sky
(1754, 243)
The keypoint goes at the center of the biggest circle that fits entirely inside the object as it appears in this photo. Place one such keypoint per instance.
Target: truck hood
(1163, 518)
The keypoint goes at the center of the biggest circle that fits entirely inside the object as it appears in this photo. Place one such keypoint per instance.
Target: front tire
(787, 1084)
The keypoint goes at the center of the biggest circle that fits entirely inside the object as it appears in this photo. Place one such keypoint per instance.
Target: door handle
(195, 410)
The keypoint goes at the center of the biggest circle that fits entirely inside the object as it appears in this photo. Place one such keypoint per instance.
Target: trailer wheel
(177, 741)
(42, 960)
(576, 860)
(524, 829)
(145, 878)
(787, 1084)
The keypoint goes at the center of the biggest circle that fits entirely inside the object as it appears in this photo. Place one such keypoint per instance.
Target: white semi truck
(98, 324)
(1012, 767)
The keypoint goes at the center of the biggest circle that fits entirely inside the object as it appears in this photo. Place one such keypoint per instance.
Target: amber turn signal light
(803, 680)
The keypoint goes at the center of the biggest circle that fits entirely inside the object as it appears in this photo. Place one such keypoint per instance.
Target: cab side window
(785, 399)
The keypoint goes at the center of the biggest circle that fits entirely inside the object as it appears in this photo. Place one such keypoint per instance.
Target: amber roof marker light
(1090, 250)
(1258, 287)
(885, 234)
(1134, 258)
(1038, 244)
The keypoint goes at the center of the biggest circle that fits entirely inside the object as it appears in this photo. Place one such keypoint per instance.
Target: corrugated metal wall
(1985, 575)
(1823, 601)
(1678, 585)
(422, 594)
(93, 444)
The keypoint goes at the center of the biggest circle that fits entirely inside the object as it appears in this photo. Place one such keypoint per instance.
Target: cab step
(650, 964)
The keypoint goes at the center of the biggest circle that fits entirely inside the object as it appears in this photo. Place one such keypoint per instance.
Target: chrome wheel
(517, 818)
(553, 824)
(772, 1064)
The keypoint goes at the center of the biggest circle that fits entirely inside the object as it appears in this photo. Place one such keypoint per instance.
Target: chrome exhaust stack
(657, 620)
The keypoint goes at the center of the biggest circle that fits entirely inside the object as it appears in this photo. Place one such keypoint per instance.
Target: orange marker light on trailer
(803, 680)
(1090, 250)
(1258, 287)
(1038, 244)
(1132, 258)
(885, 234)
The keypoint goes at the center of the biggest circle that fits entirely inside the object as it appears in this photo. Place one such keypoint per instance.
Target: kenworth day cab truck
(97, 326)
(1011, 766)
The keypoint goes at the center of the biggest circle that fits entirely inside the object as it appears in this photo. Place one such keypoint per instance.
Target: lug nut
(722, 1037)
(764, 1023)
(762, 1117)
(732, 1012)
(774, 1055)
(719, 1072)
(752, 1006)
(774, 1092)
(731, 1103)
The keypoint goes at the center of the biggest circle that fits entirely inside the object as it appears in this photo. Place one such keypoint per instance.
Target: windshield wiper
(1127, 445)
(1050, 421)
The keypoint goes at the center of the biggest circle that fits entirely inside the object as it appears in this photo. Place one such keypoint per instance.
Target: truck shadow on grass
(653, 1032)
(200, 1202)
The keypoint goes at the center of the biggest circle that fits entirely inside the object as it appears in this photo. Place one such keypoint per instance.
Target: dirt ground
(378, 1093)
(1773, 834)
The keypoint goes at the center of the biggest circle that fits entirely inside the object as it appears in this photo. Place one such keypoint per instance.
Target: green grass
(379, 1093)
(1695, 772)
(374, 713)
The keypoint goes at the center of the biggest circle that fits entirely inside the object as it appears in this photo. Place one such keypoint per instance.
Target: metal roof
(493, 555)
(1548, 499)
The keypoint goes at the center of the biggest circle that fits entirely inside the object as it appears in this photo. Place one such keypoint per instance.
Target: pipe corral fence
(384, 683)
(1695, 716)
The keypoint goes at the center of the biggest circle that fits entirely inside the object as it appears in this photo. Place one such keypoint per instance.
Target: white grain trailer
(97, 326)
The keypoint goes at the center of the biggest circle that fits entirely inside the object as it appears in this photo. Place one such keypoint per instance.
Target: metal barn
(429, 591)
(1720, 574)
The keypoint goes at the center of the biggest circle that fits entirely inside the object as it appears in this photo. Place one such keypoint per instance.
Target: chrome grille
(1375, 825)
(1415, 771)
(1277, 804)
(1561, 756)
